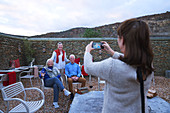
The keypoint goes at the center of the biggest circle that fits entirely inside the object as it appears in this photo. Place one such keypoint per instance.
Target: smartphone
(97, 45)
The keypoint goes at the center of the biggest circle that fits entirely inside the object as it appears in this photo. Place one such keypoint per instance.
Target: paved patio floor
(92, 102)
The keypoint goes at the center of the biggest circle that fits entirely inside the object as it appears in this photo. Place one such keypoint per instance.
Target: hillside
(159, 25)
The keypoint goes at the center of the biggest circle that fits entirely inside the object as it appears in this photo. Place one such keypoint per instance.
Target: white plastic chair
(9, 92)
(27, 76)
(100, 82)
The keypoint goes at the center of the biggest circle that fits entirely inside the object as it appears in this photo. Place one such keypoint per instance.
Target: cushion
(11, 77)
(83, 71)
(77, 60)
(17, 63)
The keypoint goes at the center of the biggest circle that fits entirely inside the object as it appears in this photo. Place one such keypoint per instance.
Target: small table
(17, 70)
(11, 70)
(22, 68)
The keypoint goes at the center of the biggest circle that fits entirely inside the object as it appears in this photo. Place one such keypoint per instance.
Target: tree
(28, 51)
(91, 33)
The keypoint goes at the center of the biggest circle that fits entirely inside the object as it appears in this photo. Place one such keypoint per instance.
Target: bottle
(79, 65)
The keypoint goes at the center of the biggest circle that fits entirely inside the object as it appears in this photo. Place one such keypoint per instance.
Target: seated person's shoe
(56, 104)
(67, 93)
(71, 96)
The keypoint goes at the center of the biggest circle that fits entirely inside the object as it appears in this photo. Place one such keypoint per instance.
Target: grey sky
(33, 17)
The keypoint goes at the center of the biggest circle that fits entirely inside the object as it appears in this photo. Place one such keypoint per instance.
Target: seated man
(73, 72)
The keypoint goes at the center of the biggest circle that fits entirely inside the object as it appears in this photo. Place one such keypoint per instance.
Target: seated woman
(51, 79)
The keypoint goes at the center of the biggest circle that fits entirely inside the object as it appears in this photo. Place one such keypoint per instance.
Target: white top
(61, 64)
(122, 90)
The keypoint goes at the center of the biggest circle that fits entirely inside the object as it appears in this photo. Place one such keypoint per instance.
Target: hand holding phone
(97, 45)
(108, 48)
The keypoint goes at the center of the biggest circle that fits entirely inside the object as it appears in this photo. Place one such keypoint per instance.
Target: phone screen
(96, 45)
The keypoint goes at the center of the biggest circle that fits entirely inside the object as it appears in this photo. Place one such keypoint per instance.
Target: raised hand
(42, 74)
(107, 48)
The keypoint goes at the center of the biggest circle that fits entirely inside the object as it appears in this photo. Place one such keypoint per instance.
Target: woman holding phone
(122, 88)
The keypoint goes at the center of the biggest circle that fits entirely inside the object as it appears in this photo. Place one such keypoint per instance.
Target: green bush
(28, 51)
(91, 33)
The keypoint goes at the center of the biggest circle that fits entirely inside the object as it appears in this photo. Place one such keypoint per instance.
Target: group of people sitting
(55, 68)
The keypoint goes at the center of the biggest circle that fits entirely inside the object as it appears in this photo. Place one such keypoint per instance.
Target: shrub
(28, 51)
(91, 33)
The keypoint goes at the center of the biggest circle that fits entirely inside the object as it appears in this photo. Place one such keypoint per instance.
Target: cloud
(3, 20)
(32, 17)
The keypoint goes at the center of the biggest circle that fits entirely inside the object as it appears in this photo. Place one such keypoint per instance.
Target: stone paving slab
(158, 105)
(92, 102)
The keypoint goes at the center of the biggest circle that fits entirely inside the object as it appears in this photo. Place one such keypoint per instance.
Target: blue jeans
(56, 84)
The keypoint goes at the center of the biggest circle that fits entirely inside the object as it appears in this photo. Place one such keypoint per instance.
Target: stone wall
(161, 49)
(71, 47)
(9, 50)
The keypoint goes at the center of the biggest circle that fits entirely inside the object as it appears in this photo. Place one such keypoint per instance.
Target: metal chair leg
(98, 84)
(31, 82)
(99, 87)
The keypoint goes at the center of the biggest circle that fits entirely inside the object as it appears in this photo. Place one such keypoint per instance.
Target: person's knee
(55, 86)
(83, 79)
(70, 81)
(55, 78)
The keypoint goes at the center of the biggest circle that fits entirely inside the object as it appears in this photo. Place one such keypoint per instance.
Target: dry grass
(162, 88)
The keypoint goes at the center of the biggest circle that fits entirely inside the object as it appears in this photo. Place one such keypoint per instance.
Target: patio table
(16, 70)
(7, 71)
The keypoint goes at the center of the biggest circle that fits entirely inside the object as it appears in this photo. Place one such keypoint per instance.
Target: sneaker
(67, 93)
(56, 104)
(71, 96)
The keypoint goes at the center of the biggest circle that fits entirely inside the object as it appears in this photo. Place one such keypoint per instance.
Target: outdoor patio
(162, 87)
(93, 103)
